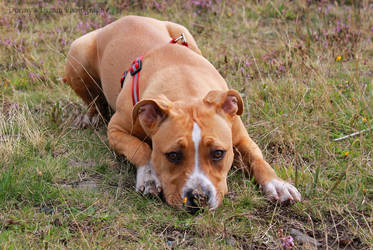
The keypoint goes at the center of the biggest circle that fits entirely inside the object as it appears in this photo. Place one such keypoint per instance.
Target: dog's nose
(195, 199)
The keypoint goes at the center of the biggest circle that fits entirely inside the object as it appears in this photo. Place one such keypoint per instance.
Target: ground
(304, 69)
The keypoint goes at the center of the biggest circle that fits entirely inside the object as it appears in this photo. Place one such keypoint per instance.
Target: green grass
(62, 187)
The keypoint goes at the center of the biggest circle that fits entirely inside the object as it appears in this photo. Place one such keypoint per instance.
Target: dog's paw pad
(147, 181)
(281, 190)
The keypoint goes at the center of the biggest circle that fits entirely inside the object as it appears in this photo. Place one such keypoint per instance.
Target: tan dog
(181, 133)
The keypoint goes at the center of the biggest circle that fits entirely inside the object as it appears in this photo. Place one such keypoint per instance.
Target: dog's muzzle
(195, 199)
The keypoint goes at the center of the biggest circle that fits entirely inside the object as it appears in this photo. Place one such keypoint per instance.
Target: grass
(62, 187)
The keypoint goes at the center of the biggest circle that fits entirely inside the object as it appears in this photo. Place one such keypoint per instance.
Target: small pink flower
(248, 63)
(287, 242)
(281, 67)
(63, 41)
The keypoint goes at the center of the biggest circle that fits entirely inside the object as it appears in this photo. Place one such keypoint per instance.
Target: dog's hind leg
(82, 75)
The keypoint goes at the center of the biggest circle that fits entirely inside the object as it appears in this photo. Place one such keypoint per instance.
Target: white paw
(147, 181)
(281, 190)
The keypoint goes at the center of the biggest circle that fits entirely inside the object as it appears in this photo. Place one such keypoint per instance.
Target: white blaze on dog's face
(198, 182)
(192, 146)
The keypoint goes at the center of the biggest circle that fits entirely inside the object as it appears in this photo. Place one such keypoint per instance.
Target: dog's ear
(229, 102)
(150, 113)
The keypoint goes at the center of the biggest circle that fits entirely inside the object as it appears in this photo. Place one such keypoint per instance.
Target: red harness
(136, 68)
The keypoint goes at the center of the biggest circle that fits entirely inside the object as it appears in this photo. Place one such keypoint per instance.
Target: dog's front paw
(281, 190)
(147, 181)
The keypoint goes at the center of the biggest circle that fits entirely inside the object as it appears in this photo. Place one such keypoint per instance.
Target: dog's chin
(174, 200)
(219, 198)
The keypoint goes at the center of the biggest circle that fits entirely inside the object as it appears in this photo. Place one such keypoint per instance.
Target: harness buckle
(182, 36)
(183, 39)
(136, 66)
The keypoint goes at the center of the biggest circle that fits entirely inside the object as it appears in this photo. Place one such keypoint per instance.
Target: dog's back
(96, 60)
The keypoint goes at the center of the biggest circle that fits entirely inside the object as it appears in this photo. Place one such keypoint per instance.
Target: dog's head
(191, 145)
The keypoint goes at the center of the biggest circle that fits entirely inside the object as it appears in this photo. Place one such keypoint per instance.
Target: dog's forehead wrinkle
(186, 114)
(194, 107)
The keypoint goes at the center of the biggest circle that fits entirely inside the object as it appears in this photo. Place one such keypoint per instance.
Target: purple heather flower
(196, 2)
(248, 63)
(338, 28)
(287, 242)
(202, 3)
(281, 67)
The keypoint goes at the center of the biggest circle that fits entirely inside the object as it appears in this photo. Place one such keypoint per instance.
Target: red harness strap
(135, 72)
(183, 43)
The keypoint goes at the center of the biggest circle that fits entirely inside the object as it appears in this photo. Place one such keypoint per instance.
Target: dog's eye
(217, 155)
(174, 157)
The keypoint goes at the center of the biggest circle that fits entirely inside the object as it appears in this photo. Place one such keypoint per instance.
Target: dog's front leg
(137, 152)
(264, 175)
